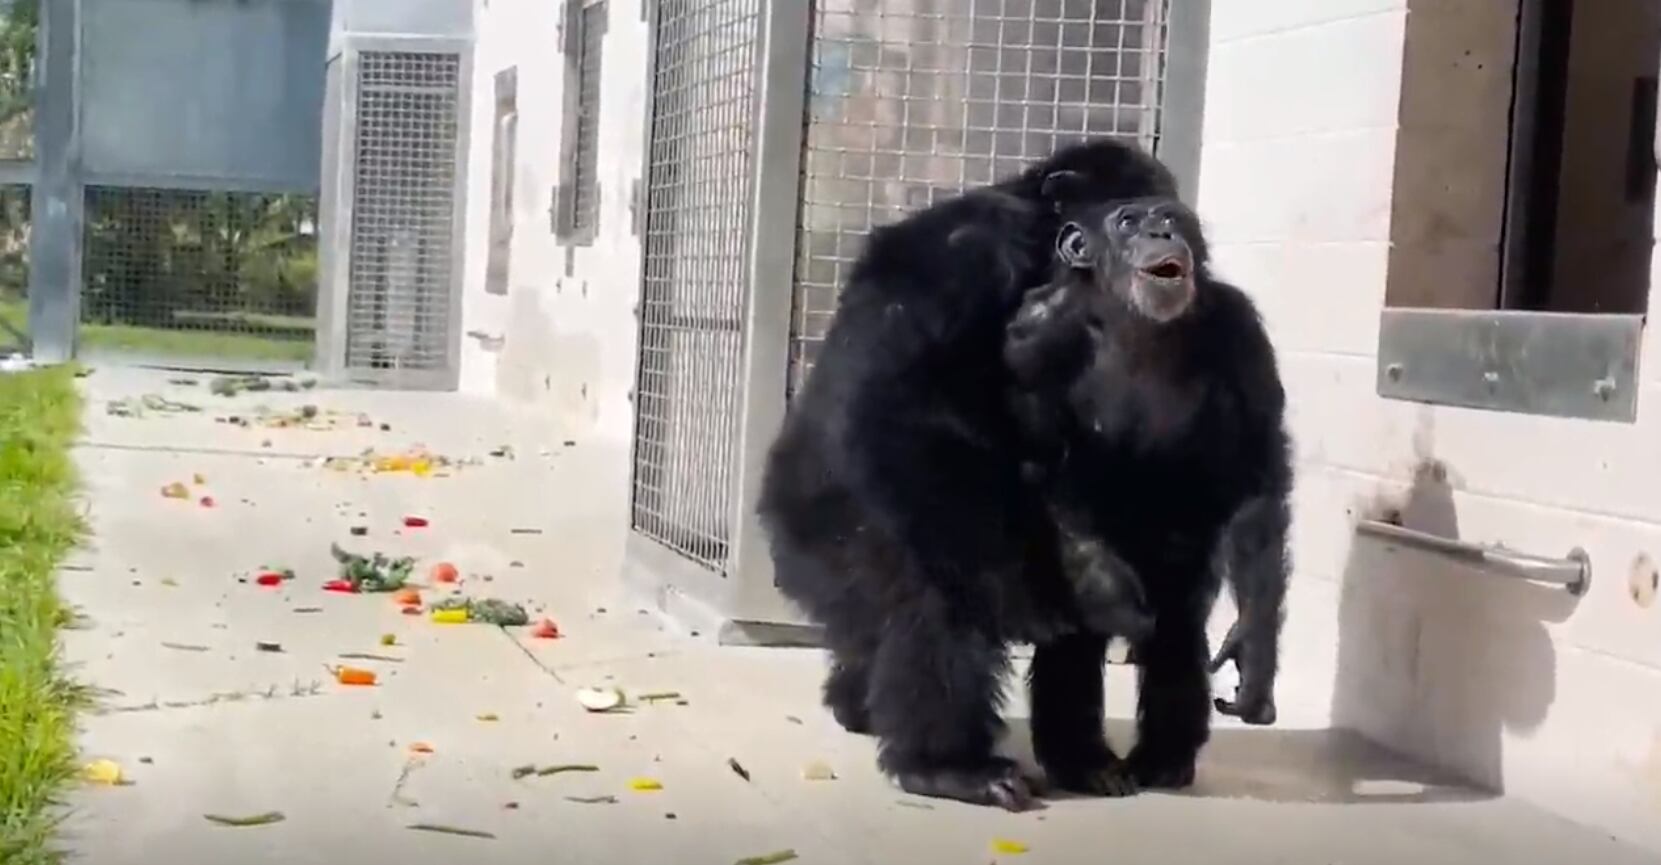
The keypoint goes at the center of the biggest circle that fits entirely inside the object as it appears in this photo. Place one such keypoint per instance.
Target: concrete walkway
(203, 722)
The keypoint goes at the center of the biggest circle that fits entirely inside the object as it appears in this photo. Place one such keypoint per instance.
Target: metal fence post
(780, 105)
(59, 201)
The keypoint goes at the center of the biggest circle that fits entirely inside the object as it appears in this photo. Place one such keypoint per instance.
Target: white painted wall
(567, 341)
(1507, 683)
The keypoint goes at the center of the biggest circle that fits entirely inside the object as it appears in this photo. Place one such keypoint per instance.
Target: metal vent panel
(913, 100)
(400, 307)
(585, 207)
(698, 203)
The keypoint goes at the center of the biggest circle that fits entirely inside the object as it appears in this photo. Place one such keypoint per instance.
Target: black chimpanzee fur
(893, 496)
(1149, 391)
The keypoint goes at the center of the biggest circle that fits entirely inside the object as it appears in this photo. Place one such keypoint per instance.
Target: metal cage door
(695, 276)
(400, 221)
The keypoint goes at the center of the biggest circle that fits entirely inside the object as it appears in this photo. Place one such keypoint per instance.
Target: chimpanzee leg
(1065, 683)
(934, 704)
(1174, 701)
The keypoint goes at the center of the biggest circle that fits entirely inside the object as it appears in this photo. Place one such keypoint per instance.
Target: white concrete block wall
(567, 341)
(1507, 683)
(1510, 684)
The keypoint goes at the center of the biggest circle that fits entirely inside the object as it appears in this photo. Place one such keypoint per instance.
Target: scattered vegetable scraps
(413, 522)
(265, 819)
(376, 573)
(818, 770)
(738, 768)
(407, 597)
(444, 572)
(207, 502)
(103, 772)
(546, 630)
(600, 699)
(420, 748)
(545, 771)
(645, 785)
(489, 611)
(450, 830)
(768, 858)
(457, 616)
(592, 800)
(369, 656)
(1007, 847)
(175, 490)
(274, 578)
(231, 385)
(354, 676)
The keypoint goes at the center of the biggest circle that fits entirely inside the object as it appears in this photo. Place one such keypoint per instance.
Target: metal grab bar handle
(1573, 572)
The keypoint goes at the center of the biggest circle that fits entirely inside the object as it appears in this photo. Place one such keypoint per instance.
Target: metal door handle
(1573, 572)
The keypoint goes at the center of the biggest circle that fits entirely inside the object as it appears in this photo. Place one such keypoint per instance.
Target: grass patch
(40, 413)
(187, 344)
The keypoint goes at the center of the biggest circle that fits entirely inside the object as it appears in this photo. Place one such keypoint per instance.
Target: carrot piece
(354, 676)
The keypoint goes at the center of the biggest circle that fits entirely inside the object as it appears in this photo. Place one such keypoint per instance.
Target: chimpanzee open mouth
(1168, 269)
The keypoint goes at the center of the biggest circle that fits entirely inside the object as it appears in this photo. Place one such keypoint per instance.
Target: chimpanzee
(1150, 400)
(893, 497)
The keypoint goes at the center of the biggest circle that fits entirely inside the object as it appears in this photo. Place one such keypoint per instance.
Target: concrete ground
(203, 722)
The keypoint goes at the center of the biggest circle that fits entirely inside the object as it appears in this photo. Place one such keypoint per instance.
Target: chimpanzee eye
(1128, 220)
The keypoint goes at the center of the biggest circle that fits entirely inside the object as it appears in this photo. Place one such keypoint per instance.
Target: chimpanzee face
(1144, 252)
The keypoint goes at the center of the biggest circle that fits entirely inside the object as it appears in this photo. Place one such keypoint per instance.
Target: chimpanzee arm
(1255, 550)
(1257, 568)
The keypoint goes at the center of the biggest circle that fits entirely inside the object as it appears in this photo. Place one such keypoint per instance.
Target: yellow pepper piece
(645, 784)
(1007, 847)
(450, 617)
(102, 772)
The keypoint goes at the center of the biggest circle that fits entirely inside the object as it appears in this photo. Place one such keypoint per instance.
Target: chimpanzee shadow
(1268, 764)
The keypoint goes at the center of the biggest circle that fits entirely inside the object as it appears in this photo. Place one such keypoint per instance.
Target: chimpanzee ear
(1062, 187)
(1072, 246)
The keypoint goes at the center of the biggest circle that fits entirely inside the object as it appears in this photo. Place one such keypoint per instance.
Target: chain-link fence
(14, 268)
(19, 55)
(176, 275)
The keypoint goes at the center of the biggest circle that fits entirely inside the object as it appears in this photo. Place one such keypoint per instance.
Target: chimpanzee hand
(1254, 698)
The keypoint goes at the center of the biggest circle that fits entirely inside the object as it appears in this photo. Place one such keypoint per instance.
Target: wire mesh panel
(14, 268)
(402, 249)
(693, 295)
(913, 100)
(585, 215)
(199, 276)
(19, 39)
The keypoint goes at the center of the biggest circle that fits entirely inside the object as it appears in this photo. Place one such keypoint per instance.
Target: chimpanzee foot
(1155, 770)
(1111, 778)
(998, 783)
